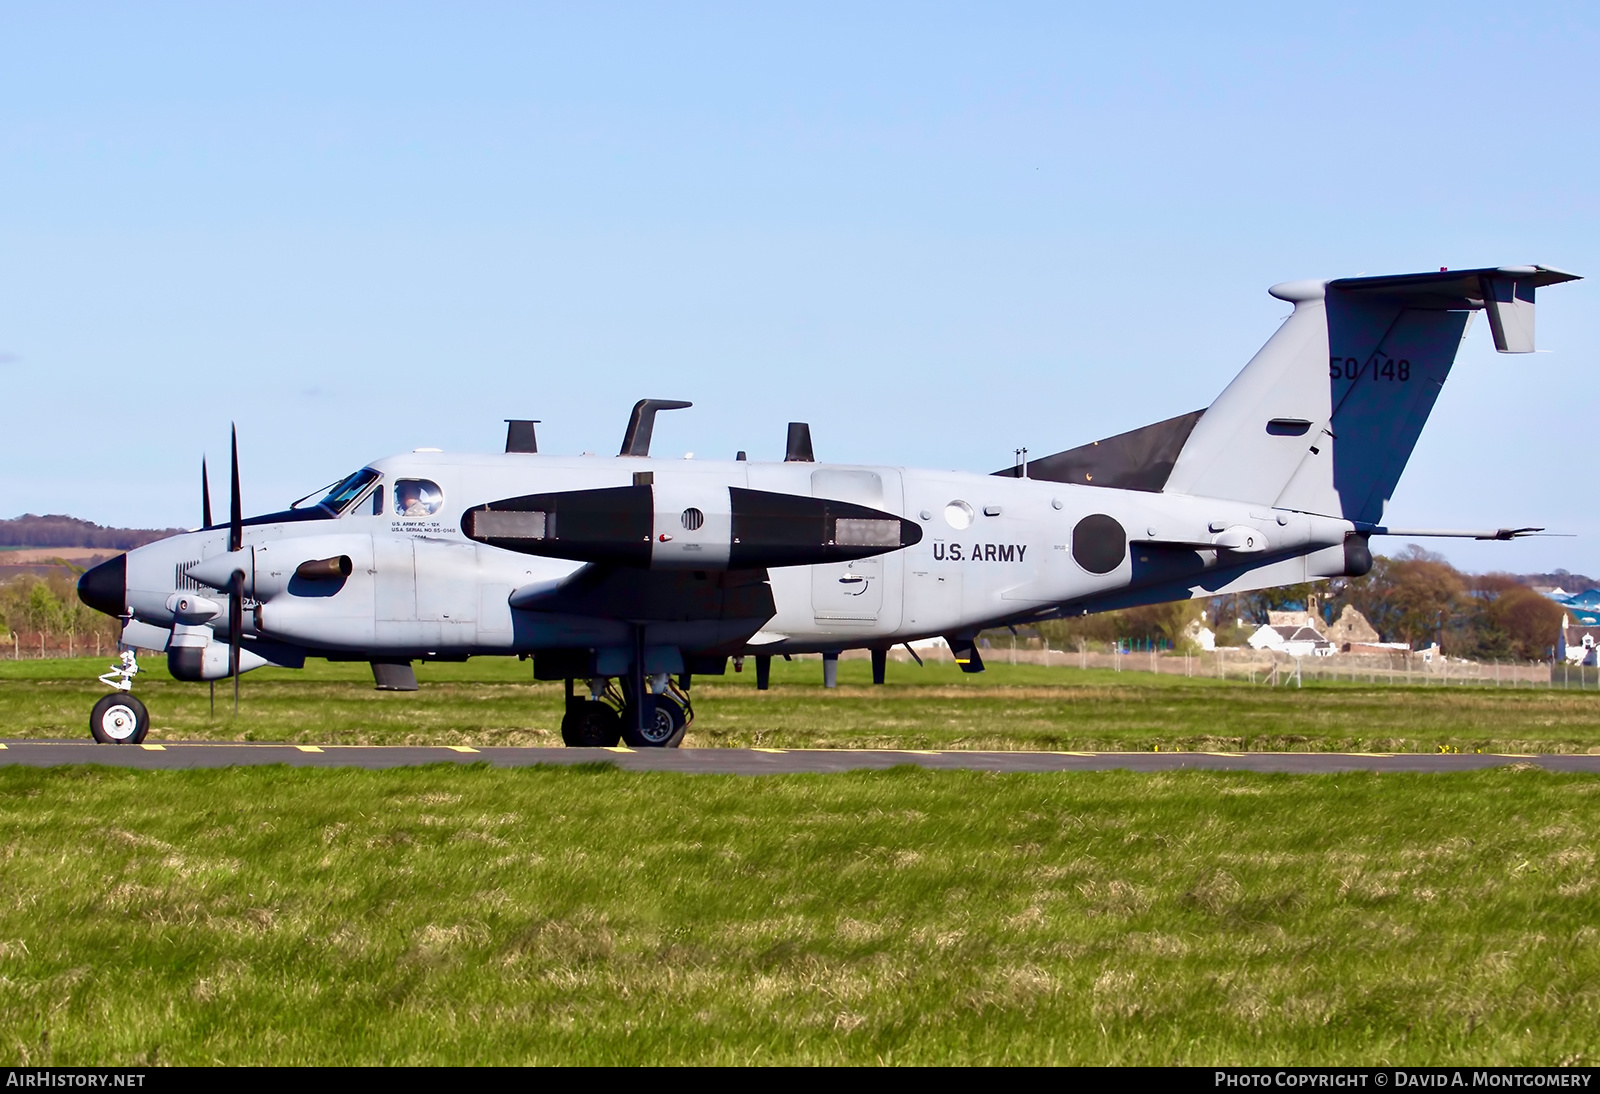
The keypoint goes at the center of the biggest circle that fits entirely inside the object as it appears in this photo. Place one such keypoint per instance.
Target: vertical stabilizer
(1324, 418)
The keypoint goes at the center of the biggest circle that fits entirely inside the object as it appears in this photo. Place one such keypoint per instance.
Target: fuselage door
(852, 594)
(395, 579)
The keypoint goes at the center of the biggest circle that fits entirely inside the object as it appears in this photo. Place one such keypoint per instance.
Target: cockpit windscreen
(340, 497)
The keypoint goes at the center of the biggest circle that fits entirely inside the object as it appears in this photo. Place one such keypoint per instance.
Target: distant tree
(1410, 598)
(56, 530)
(1511, 620)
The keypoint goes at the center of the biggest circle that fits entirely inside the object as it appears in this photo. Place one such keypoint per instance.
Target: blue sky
(936, 232)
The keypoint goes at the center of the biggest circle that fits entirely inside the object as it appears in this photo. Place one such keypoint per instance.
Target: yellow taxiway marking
(154, 748)
(460, 748)
(308, 748)
(1077, 753)
(3, 748)
(921, 751)
(618, 748)
(774, 751)
(1230, 754)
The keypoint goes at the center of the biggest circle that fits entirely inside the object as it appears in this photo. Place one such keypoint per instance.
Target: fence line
(1273, 669)
(37, 645)
(1262, 667)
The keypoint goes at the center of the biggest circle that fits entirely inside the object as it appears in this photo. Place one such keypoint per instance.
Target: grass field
(495, 701)
(472, 915)
(449, 915)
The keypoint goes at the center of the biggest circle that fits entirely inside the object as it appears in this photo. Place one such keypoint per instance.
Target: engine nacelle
(193, 653)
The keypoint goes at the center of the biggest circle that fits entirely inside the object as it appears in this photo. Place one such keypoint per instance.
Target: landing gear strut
(607, 715)
(592, 722)
(667, 715)
(119, 718)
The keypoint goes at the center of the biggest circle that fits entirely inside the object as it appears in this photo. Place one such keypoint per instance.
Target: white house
(1296, 641)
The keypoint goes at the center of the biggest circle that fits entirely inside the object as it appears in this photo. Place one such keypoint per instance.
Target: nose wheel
(119, 720)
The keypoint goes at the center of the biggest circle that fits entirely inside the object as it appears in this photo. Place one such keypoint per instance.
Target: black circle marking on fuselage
(1099, 543)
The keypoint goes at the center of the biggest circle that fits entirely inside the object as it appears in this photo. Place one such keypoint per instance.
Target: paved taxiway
(745, 761)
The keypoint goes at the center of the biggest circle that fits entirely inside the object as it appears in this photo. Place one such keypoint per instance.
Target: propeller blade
(235, 625)
(236, 585)
(235, 518)
(205, 495)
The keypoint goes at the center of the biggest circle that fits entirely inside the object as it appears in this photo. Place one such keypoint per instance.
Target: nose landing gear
(119, 718)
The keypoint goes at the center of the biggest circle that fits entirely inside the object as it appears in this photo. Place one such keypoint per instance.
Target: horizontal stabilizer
(1505, 293)
(1325, 417)
(1461, 533)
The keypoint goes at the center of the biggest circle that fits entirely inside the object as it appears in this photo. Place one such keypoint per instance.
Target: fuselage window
(377, 502)
(340, 497)
(417, 498)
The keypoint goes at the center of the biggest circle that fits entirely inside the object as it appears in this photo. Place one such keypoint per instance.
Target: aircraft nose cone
(105, 588)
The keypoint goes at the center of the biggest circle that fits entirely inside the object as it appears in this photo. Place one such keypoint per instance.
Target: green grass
(495, 701)
(468, 915)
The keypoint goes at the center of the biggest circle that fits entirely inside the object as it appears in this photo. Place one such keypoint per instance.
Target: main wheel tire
(119, 719)
(667, 731)
(590, 725)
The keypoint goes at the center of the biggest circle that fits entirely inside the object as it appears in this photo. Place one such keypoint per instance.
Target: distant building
(1352, 629)
(1583, 608)
(1309, 636)
(1577, 642)
(1292, 639)
(1200, 634)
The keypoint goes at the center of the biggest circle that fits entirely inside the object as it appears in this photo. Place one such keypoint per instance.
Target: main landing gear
(119, 718)
(606, 716)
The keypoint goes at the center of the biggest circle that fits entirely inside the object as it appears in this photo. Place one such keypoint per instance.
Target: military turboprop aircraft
(618, 574)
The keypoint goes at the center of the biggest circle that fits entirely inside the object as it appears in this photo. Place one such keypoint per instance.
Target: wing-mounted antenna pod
(799, 449)
(615, 526)
(610, 525)
(636, 441)
(520, 435)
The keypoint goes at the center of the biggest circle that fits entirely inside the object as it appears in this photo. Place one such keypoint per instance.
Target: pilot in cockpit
(412, 498)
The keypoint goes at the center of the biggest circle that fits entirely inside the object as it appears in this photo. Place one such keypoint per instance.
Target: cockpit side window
(417, 497)
(340, 497)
